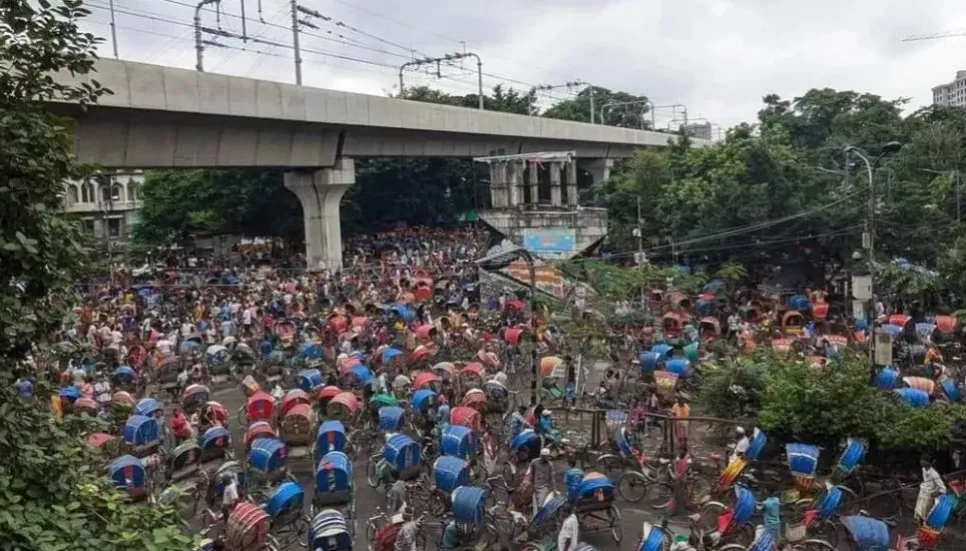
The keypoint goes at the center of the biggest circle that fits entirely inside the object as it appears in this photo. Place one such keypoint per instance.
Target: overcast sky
(717, 57)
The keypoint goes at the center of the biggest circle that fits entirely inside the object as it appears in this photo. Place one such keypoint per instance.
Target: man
(932, 485)
(396, 498)
(680, 412)
(540, 476)
(102, 390)
(230, 496)
(406, 540)
(569, 531)
(741, 447)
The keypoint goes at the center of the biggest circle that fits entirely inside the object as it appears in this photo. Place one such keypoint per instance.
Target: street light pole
(868, 239)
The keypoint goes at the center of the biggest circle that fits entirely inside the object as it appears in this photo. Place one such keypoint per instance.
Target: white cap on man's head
(545, 452)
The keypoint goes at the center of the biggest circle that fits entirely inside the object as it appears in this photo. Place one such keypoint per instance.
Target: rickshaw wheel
(607, 463)
(243, 416)
(709, 516)
(632, 486)
(616, 530)
(371, 529)
(814, 545)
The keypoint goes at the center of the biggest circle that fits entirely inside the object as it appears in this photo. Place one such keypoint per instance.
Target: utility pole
(295, 42)
(113, 29)
(199, 43)
(436, 61)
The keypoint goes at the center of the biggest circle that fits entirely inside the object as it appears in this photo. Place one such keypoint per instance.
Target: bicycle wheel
(632, 486)
(616, 530)
(659, 495)
(371, 529)
(609, 465)
(814, 545)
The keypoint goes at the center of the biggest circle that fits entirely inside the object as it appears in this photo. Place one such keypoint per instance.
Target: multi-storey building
(952, 94)
(107, 203)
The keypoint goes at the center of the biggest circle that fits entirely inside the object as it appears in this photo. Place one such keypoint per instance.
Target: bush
(733, 390)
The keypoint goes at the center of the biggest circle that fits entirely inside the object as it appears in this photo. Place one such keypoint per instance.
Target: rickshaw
(709, 328)
(886, 378)
(184, 461)
(468, 508)
(931, 530)
(268, 458)
(818, 520)
(425, 380)
(122, 403)
(86, 406)
(125, 378)
(476, 399)
(423, 400)
(333, 484)
(551, 369)
(284, 507)
(260, 406)
(673, 324)
(467, 417)
(497, 398)
(665, 385)
(194, 397)
(951, 390)
(217, 360)
(525, 446)
(142, 435)
(100, 441)
(421, 354)
(292, 398)
(793, 323)
(921, 383)
(655, 538)
(867, 533)
(257, 430)
(331, 437)
(215, 444)
(678, 366)
(548, 518)
(650, 361)
(400, 455)
(449, 473)
(344, 407)
(326, 394)
(852, 454)
(216, 413)
(913, 397)
(311, 352)
(309, 380)
(149, 407)
(392, 419)
(329, 531)
(732, 524)
(216, 488)
(297, 430)
(802, 462)
(247, 529)
(128, 474)
(166, 375)
(595, 507)
(357, 378)
(471, 376)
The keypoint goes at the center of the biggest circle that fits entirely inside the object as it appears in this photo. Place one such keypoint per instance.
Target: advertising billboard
(550, 241)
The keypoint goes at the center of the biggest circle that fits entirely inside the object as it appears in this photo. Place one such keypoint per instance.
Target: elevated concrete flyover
(161, 117)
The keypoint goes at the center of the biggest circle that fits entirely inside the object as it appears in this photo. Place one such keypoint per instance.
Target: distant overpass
(161, 117)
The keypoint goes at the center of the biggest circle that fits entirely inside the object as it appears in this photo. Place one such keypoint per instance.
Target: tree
(631, 114)
(52, 491)
(179, 204)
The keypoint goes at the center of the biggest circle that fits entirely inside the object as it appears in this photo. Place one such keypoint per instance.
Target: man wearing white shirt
(569, 532)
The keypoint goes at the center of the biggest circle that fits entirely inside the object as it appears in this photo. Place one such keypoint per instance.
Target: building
(700, 131)
(107, 204)
(952, 94)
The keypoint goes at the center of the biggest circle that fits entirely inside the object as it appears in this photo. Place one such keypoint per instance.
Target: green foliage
(626, 116)
(734, 389)
(53, 494)
(820, 407)
(182, 203)
(902, 427)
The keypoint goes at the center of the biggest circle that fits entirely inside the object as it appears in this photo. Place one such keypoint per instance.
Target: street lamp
(868, 239)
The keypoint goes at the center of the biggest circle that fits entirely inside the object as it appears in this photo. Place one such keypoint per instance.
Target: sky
(716, 57)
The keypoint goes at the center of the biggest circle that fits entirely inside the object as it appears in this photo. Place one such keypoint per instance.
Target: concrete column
(599, 169)
(570, 179)
(515, 183)
(534, 184)
(320, 192)
(498, 191)
(555, 199)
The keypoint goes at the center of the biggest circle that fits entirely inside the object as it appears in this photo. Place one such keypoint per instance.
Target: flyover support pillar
(320, 192)
(515, 183)
(599, 169)
(533, 172)
(555, 191)
(570, 172)
(499, 198)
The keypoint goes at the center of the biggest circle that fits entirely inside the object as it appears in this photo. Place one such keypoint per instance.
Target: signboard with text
(553, 241)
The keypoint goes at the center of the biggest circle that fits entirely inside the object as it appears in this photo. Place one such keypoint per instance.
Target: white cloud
(719, 57)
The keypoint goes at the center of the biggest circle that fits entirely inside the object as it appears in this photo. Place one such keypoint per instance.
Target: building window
(105, 193)
(114, 227)
(71, 194)
(117, 192)
(89, 226)
(87, 192)
(133, 190)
